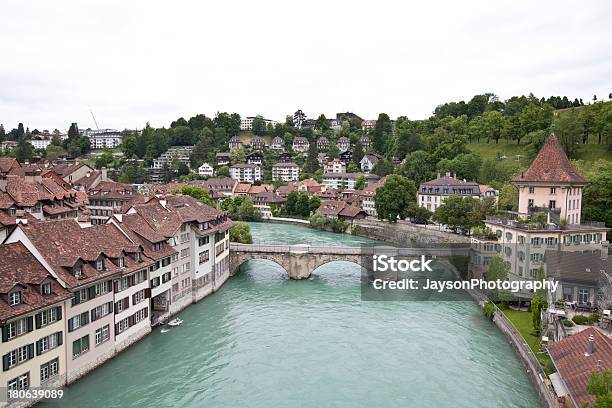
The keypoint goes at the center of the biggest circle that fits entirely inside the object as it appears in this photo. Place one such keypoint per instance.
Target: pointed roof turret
(551, 165)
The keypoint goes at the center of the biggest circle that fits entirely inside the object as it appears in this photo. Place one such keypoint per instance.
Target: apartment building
(40, 143)
(431, 194)
(550, 196)
(341, 181)
(223, 159)
(104, 138)
(106, 199)
(285, 172)
(245, 173)
(344, 144)
(300, 144)
(322, 143)
(334, 166)
(32, 317)
(277, 143)
(247, 122)
(206, 170)
(235, 143)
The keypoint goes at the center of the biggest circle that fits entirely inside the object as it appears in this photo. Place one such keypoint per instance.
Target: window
(204, 256)
(100, 265)
(78, 321)
(121, 262)
(206, 240)
(530, 203)
(583, 295)
(50, 342)
(48, 316)
(20, 383)
(184, 253)
(122, 305)
(45, 288)
(77, 270)
(140, 315)
(15, 298)
(103, 287)
(553, 190)
(138, 297)
(102, 334)
(80, 346)
(552, 204)
(531, 190)
(17, 328)
(101, 311)
(122, 326)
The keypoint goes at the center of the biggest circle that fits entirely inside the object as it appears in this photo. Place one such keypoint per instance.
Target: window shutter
(134, 299)
(84, 318)
(147, 293)
(38, 347)
(30, 323)
(116, 286)
(5, 333)
(116, 327)
(38, 320)
(91, 292)
(59, 312)
(146, 313)
(70, 324)
(5, 362)
(93, 315)
(77, 298)
(31, 350)
(110, 307)
(60, 338)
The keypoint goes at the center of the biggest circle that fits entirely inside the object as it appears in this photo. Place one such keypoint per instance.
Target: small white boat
(165, 330)
(175, 322)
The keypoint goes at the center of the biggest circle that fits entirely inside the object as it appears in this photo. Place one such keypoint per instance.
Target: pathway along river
(266, 341)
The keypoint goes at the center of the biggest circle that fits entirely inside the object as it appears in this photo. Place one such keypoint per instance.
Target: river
(266, 341)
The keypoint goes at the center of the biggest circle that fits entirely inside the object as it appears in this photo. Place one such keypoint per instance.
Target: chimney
(104, 173)
(590, 346)
(448, 174)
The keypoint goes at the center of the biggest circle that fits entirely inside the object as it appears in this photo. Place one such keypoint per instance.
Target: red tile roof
(339, 208)
(575, 367)
(551, 165)
(20, 267)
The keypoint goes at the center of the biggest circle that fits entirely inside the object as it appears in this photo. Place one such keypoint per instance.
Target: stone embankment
(404, 234)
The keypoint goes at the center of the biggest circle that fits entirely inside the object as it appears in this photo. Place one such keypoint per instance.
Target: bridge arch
(237, 260)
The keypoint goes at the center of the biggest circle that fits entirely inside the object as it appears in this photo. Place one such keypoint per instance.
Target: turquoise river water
(266, 341)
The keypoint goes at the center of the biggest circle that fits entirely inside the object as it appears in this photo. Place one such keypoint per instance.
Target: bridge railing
(344, 250)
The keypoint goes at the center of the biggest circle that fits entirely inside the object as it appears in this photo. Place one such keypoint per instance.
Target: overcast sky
(138, 61)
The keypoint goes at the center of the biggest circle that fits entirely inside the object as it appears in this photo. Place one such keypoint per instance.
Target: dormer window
(137, 256)
(100, 265)
(78, 270)
(121, 262)
(45, 288)
(15, 298)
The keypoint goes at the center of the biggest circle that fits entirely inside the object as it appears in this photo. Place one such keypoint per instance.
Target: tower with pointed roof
(552, 184)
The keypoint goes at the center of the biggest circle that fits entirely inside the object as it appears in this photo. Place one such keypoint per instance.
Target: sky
(133, 62)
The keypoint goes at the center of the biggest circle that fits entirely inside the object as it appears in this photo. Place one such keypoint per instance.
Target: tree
(53, 152)
(241, 233)
(600, 385)
(103, 160)
(569, 128)
(312, 160)
(314, 203)
(357, 153)
(246, 211)
(494, 123)
(383, 167)
(24, 151)
(420, 215)
(238, 155)
(597, 195)
(259, 125)
(199, 193)
(223, 171)
(382, 132)
(538, 302)
(73, 131)
(321, 123)
(394, 198)
(498, 269)
(132, 173)
(360, 183)
(302, 205)
(2, 133)
(20, 131)
(418, 166)
(454, 212)
(290, 204)
(333, 152)
(508, 198)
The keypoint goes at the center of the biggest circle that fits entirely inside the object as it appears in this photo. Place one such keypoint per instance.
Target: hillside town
(94, 254)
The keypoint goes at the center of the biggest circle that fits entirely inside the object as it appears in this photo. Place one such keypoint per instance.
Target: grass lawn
(522, 321)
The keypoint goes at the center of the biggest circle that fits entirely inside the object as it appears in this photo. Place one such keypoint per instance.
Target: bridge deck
(345, 250)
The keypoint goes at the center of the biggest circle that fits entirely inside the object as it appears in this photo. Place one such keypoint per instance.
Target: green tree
(418, 166)
(24, 151)
(223, 171)
(241, 233)
(53, 152)
(455, 212)
(321, 123)
(383, 167)
(302, 205)
(312, 160)
(508, 198)
(394, 199)
(73, 131)
(360, 183)
(104, 160)
(238, 155)
(199, 193)
(357, 153)
(314, 203)
(538, 302)
(568, 128)
(259, 125)
(597, 195)
(246, 211)
(600, 385)
(382, 132)
(290, 204)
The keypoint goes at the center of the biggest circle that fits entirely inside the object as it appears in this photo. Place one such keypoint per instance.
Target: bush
(593, 318)
(489, 310)
(580, 319)
(567, 323)
(323, 223)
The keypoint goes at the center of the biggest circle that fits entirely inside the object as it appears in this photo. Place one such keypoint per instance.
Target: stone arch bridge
(301, 260)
